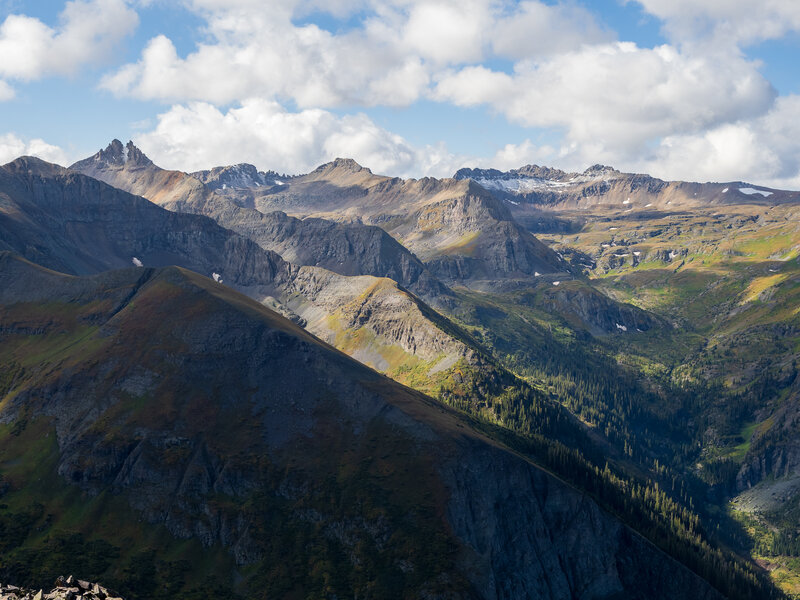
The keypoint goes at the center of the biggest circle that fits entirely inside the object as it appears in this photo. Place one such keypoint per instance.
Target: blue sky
(680, 89)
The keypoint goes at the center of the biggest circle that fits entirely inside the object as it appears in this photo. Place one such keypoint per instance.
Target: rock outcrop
(66, 588)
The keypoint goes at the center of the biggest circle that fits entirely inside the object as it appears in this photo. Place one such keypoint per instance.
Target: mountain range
(505, 384)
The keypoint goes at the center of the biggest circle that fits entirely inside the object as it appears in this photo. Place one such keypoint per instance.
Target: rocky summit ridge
(533, 189)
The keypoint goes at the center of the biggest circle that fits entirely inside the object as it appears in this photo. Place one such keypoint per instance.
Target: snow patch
(136, 262)
(515, 183)
(637, 253)
(628, 201)
(556, 283)
(725, 191)
(216, 277)
(537, 274)
(622, 327)
(750, 191)
(648, 205)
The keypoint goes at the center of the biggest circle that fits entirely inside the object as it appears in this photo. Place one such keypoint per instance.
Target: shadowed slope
(234, 427)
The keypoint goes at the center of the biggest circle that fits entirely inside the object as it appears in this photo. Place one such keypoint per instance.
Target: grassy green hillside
(717, 385)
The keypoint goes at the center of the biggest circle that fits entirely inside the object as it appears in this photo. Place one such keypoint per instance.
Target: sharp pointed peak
(117, 154)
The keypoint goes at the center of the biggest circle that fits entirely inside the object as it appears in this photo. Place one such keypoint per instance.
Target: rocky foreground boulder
(66, 588)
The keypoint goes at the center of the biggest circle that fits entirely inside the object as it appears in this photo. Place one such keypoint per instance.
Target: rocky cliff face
(484, 513)
(216, 424)
(344, 248)
(460, 230)
(586, 308)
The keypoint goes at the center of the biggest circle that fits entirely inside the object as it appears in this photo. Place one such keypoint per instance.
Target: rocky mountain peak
(33, 165)
(541, 172)
(475, 173)
(238, 176)
(599, 170)
(343, 164)
(116, 155)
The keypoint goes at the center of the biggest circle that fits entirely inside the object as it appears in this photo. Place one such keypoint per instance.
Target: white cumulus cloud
(764, 150)
(613, 100)
(537, 29)
(390, 57)
(199, 136)
(732, 21)
(86, 32)
(12, 147)
(6, 91)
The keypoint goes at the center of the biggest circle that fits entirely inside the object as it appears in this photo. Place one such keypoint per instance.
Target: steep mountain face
(76, 224)
(73, 223)
(535, 188)
(344, 248)
(347, 249)
(456, 227)
(127, 168)
(237, 177)
(234, 427)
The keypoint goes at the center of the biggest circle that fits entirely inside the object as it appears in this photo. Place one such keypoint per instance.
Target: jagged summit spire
(116, 154)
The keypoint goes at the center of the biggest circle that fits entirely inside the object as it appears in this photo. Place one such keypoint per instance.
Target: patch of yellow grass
(760, 284)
